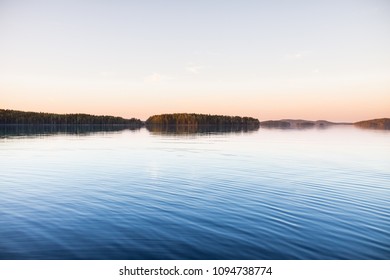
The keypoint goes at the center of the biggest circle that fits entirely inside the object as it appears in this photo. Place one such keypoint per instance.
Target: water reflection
(198, 129)
(23, 130)
(270, 194)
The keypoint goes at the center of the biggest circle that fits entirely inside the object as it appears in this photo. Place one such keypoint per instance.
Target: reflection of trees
(23, 130)
(196, 129)
(31, 123)
(199, 123)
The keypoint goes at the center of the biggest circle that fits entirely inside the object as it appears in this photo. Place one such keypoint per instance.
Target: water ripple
(264, 195)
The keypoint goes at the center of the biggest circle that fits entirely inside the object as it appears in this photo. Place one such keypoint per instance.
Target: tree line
(198, 120)
(13, 117)
(195, 121)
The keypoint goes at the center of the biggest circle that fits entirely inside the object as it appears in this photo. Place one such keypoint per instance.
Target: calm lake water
(268, 194)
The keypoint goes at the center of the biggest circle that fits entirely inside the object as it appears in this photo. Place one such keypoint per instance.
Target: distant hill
(202, 120)
(276, 124)
(289, 123)
(383, 123)
(13, 117)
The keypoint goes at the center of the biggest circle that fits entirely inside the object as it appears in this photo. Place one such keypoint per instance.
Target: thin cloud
(156, 78)
(107, 74)
(294, 56)
(297, 55)
(195, 69)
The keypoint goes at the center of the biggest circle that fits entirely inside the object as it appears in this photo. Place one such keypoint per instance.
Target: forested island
(200, 122)
(383, 123)
(13, 117)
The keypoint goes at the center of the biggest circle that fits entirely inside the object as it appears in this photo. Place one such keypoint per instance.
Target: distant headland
(383, 123)
(289, 123)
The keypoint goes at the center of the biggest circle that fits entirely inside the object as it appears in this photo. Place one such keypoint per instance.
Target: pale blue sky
(266, 59)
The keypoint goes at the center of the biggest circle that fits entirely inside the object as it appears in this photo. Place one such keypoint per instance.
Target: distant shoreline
(14, 117)
(291, 123)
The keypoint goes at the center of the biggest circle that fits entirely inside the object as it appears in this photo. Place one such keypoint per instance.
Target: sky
(265, 59)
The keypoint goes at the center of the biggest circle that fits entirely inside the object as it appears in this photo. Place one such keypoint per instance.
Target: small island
(383, 123)
(289, 123)
(201, 122)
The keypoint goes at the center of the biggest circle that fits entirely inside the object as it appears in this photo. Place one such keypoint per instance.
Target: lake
(136, 194)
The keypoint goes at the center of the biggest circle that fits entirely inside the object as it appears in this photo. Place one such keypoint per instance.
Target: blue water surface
(268, 194)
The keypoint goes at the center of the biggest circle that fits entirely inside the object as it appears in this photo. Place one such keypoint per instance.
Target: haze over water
(268, 194)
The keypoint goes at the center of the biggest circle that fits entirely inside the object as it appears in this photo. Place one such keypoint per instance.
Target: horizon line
(282, 119)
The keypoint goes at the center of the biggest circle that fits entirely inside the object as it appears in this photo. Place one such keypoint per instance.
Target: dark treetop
(12, 117)
(199, 120)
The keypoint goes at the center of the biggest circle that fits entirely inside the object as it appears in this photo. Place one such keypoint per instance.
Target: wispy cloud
(294, 56)
(297, 55)
(195, 69)
(156, 78)
(207, 52)
(107, 74)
